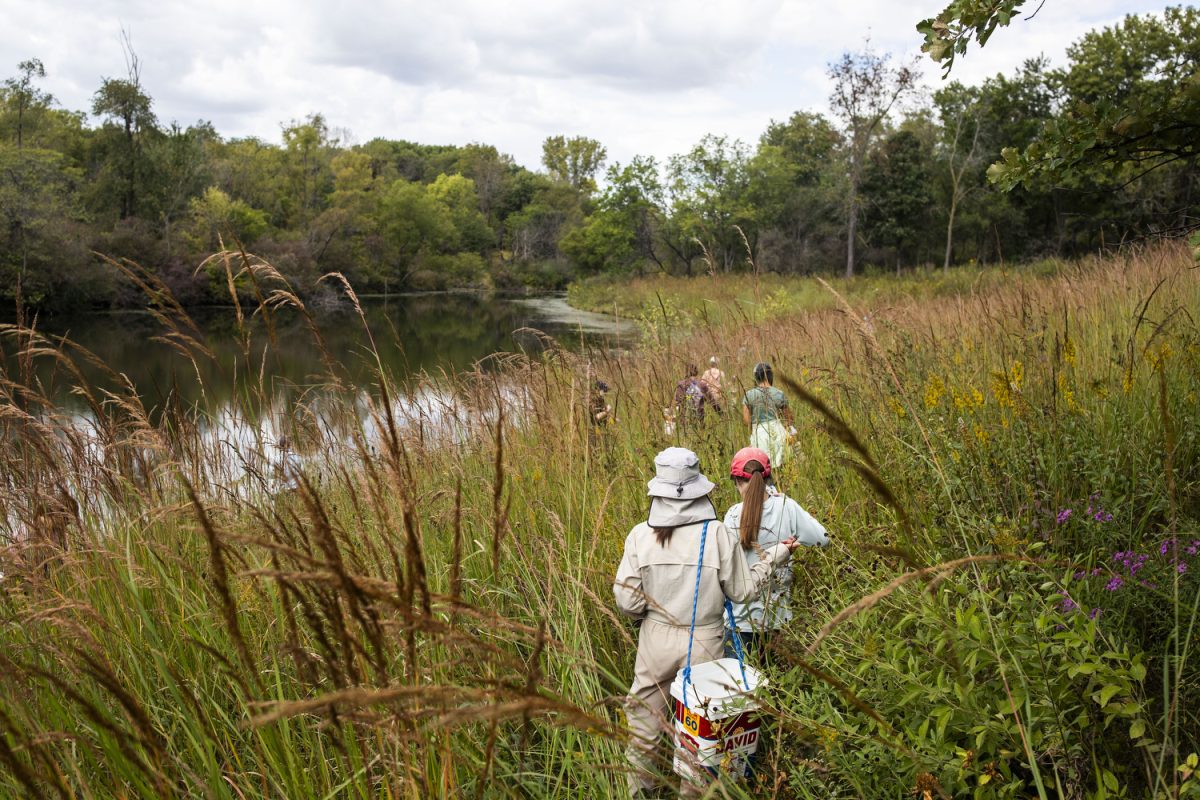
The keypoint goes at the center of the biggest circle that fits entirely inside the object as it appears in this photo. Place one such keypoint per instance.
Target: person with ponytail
(669, 584)
(765, 410)
(763, 519)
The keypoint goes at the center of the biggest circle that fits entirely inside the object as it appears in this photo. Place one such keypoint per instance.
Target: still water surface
(417, 333)
(262, 443)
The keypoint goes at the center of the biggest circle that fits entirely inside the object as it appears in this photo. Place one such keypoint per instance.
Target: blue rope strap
(687, 670)
(737, 640)
(737, 643)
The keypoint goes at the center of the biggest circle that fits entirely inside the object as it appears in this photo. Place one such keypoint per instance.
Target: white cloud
(645, 77)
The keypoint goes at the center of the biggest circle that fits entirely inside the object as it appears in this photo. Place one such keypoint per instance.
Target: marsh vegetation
(1009, 608)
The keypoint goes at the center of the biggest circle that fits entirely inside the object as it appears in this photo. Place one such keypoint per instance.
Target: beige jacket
(658, 583)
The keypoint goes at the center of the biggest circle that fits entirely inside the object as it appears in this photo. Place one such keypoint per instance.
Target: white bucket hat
(677, 476)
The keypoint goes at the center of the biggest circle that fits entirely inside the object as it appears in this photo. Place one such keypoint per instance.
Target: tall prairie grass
(426, 611)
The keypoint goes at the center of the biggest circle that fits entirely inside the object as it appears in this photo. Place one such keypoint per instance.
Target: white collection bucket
(716, 727)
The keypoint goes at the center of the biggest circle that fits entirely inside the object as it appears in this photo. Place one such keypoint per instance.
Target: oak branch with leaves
(1132, 94)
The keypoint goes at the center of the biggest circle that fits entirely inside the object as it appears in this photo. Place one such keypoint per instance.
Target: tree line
(1042, 161)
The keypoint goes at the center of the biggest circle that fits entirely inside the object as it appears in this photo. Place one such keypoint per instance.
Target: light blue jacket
(782, 518)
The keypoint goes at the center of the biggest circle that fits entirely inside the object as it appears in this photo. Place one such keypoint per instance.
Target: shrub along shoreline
(1009, 608)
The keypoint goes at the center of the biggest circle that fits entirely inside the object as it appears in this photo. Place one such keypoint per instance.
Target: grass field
(665, 301)
(1008, 465)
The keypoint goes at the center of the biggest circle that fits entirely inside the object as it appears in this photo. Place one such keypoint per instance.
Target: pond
(415, 333)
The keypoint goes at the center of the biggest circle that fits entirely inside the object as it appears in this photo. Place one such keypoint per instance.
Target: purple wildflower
(1067, 604)
(1182, 568)
(1095, 612)
(1162, 548)
(1193, 548)
(1063, 516)
(1114, 584)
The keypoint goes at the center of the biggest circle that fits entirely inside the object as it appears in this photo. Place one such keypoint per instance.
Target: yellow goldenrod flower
(1159, 355)
(1001, 390)
(934, 389)
(1016, 375)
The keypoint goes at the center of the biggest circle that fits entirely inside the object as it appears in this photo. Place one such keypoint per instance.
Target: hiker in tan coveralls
(656, 584)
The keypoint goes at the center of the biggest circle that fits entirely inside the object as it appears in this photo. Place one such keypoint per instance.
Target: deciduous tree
(796, 187)
(1133, 92)
(710, 201)
(23, 97)
(39, 250)
(896, 183)
(574, 161)
(309, 149)
(126, 106)
(960, 151)
(866, 87)
(621, 234)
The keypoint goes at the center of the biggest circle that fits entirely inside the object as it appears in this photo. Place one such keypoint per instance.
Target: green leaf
(1110, 780)
(1107, 693)
(1138, 729)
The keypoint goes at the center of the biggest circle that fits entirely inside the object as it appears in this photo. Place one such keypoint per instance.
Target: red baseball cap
(737, 469)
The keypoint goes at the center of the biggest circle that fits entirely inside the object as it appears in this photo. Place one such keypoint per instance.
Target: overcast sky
(644, 77)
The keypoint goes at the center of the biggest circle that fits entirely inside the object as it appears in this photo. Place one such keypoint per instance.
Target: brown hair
(752, 505)
(663, 535)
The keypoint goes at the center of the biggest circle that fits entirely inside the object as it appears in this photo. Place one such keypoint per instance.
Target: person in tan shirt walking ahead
(714, 377)
(657, 584)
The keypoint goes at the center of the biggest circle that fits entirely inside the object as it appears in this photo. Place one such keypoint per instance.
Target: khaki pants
(662, 652)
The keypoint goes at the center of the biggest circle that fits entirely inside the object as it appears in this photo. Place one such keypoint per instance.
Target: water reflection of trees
(412, 334)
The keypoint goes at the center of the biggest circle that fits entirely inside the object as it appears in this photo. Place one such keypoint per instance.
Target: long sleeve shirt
(659, 582)
(782, 518)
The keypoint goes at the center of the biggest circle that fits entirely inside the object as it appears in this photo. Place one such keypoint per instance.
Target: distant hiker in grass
(714, 377)
(601, 411)
(764, 518)
(765, 410)
(657, 585)
(691, 396)
(600, 415)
